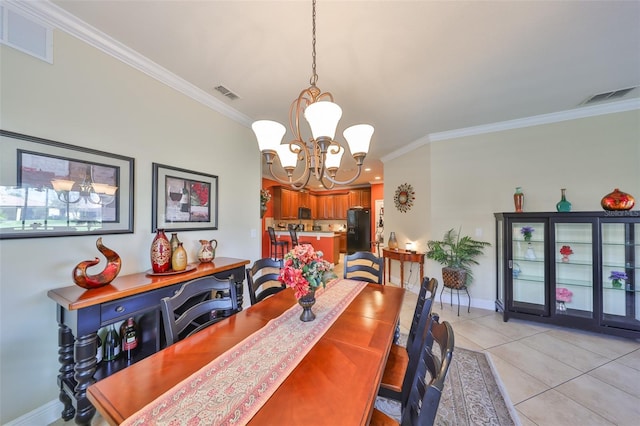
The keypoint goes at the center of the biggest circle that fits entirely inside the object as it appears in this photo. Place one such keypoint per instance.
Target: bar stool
(277, 247)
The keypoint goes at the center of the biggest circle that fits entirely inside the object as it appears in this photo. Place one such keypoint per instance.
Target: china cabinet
(561, 268)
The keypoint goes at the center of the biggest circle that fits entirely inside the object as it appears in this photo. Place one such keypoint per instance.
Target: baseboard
(43, 415)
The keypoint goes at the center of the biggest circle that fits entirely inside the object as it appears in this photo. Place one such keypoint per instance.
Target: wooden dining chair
(427, 384)
(262, 279)
(402, 361)
(195, 306)
(364, 266)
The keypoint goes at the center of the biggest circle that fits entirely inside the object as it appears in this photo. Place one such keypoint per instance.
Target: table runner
(233, 387)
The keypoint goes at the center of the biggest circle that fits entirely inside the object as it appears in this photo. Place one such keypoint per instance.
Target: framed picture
(53, 189)
(183, 200)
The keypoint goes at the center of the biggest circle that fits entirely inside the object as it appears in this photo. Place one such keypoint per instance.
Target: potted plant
(457, 254)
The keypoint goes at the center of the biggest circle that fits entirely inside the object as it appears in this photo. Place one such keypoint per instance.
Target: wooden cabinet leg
(65, 357)
(85, 355)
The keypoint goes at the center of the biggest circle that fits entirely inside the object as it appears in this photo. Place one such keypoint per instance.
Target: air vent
(226, 92)
(600, 97)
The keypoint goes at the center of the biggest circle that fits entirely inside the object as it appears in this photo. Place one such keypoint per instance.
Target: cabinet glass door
(620, 272)
(573, 258)
(528, 268)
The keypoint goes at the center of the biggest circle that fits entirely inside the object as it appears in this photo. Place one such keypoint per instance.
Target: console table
(81, 313)
(401, 256)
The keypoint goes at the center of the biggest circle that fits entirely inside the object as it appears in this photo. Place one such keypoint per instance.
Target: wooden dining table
(335, 383)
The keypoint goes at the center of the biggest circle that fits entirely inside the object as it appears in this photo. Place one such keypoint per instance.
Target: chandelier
(88, 190)
(321, 154)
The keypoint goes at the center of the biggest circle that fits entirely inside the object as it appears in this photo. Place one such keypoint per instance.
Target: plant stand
(464, 287)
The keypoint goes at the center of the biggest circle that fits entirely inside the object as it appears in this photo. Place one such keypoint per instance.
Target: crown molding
(52, 15)
(556, 117)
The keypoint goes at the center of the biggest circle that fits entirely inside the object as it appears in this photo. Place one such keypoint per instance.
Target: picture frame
(183, 200)
(54, 189)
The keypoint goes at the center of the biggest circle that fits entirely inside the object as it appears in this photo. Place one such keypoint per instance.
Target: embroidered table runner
(232, 388)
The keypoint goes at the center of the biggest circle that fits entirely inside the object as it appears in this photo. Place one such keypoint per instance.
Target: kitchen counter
(326, 241)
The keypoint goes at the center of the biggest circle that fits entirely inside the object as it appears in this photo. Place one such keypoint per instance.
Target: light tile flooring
(554, 376)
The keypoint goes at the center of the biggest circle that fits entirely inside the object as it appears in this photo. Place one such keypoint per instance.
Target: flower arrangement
(265, 196)
(305, 270)
(617, 277)
(565, 251)
(527, 231)
(563, 294)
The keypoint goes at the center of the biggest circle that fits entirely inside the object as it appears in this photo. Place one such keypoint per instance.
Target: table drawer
(124, 308)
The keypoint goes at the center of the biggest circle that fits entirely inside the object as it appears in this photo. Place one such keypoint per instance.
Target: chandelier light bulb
(287, 158)
(323, 119)
(268, 133)
(332, 161)
(359, 138)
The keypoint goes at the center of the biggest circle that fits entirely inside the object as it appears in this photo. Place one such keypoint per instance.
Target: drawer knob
(120, 309)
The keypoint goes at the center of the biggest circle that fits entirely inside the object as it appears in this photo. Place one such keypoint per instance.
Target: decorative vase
(160, 252)
(563, 205)
(207, 250)
(393, 243)
(530, 254)
(616, 283)
(307, 301)
(518, 199)
(107, 275)
(617, 200)
(174, 241)
(263, 210)
(565, 258)
(516, 270)
(179, 258)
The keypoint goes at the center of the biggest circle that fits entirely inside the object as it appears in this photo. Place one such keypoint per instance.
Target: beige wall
(89, 99)
(461, 182)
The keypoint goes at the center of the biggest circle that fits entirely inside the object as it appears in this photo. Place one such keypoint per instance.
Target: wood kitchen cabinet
(285, 203)
(360, 197)
(340, 206)
(343, 242)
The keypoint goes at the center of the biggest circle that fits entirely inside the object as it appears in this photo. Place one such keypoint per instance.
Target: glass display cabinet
(572, 269)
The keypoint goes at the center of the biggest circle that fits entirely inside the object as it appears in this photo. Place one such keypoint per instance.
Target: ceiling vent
(226, 92)
(607, 96)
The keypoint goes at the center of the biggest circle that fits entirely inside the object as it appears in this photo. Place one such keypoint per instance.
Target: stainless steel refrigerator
(358, 230)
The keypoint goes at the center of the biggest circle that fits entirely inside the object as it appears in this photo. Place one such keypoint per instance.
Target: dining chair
(195, 306)
(262, 279)
(428, 381)
(277, 247)
(402, 361)
(364, 266)
(294, 237)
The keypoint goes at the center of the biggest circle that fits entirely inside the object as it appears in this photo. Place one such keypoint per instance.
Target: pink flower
(563, 295)
(304, 269)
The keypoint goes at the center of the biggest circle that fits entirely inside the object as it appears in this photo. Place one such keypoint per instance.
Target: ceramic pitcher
(207, 250)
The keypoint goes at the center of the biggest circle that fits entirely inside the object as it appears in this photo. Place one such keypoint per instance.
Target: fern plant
(456, 252)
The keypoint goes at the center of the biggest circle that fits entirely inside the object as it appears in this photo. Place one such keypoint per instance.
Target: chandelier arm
(345, 182)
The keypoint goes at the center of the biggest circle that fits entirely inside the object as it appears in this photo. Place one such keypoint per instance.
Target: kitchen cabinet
(285, 203)
(562, 275)
(340, 206)
(343, 242)
(360, 197)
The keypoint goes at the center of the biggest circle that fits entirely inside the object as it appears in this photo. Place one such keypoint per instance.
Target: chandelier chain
(314, 75)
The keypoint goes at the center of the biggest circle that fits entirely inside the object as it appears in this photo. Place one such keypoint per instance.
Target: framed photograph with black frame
(183, 200)
(53, 189)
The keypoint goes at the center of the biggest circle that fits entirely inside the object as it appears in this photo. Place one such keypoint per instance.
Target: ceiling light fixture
(321, 155)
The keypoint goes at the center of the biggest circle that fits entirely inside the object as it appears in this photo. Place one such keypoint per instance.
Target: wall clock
(404, 197)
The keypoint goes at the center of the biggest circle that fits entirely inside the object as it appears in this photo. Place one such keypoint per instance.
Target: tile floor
(553, 376)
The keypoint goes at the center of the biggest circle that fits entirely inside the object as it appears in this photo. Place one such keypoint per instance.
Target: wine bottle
(99, 351)
(130, 338)
(111, 344)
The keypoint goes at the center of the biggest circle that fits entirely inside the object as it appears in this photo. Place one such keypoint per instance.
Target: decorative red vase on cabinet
(160, 253)
(617, 200)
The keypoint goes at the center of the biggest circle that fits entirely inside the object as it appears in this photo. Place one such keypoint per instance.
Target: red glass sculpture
(617, 200)
(109, 273)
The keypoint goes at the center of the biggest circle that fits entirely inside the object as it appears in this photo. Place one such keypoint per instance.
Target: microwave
(304, 213)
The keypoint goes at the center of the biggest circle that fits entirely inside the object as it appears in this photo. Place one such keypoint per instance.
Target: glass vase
(393, 242)
(518, 199)
(563, 205)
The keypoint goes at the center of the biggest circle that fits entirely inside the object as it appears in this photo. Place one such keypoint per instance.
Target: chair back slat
(364, 266)
(428, 287)
(195, 307)
(262, 279)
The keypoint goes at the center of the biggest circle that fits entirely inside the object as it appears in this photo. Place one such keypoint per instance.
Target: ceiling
(409, 68)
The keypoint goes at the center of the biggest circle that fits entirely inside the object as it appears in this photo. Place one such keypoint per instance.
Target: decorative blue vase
(563, 205)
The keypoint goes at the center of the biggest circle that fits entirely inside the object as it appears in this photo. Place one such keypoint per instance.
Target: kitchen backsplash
(325, 225)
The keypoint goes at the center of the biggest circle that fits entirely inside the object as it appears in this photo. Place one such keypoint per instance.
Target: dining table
(336, 382)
